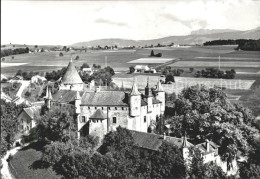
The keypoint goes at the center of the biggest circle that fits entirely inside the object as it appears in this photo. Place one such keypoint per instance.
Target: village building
(87, 70)
(26, 119)
(38, 79)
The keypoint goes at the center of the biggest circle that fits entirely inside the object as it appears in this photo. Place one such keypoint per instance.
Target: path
(6, 174)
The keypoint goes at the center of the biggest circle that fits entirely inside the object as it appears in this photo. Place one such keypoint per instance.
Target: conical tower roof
(184, 142)
(159, 86)
(71, 75)
(134, 90)
(49, 95)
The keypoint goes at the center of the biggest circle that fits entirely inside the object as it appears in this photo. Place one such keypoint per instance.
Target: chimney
(207, 145)
(97, 89)
(164, 136)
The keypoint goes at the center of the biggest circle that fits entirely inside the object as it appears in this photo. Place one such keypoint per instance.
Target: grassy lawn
(25, 164)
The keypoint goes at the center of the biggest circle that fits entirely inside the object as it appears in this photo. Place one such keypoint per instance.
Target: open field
(25, 164)
(151, 60)
(119, 59)
(205, 64)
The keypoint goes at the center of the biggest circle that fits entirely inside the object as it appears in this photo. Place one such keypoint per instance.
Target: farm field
(48, 61)
(151, 60)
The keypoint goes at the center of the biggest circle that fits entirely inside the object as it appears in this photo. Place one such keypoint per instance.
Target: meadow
(48, 61)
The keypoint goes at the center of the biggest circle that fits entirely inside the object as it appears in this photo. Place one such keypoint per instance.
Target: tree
(35, 46)
(9, 124)
(168, 162)
(169, 78)
(205, 113)
(84, 65)
(152, 53)
(131, 69)
(56, 125)
(77, 57)
(191, 69)
(60, 54)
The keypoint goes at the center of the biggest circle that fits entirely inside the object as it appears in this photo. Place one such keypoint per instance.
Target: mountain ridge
(198, 38)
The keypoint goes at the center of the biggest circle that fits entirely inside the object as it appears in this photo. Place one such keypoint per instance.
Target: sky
(68, 22)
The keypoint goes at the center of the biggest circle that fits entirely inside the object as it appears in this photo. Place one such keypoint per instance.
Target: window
(108, 108)
(22, 120)
(95, 107)
(122, 108)
(144, 119)
(114, 120)
(88, 107)
(102, 108)
(115, 108)
(83, 119)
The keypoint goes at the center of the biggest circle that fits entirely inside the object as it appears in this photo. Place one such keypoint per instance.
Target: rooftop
(71, 75)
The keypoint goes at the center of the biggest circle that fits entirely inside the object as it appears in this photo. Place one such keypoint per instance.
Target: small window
(122, 108)
(144, 119)
(114, 120)
(88, 107)
(115, 108)
(83, 119)
(108, 108)
(95, 107)
(102, 108)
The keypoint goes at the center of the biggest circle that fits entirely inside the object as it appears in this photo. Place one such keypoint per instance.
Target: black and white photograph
(130, 89)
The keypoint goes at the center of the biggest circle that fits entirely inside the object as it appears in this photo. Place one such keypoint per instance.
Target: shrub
(61, 54)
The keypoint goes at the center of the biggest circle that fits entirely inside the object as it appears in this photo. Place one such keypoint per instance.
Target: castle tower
(77, 103)
(77, 112)
(48, 98)
(71, 79)
(135, 101)
(160, 96)
(149, 97)
(185, 150)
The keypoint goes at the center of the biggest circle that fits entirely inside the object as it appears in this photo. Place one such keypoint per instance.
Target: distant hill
(196, 37)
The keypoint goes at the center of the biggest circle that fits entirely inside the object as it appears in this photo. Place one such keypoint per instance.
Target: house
(38, 79)
(3, 77)
(26, 119)
(141, 68)
(17, 78)
(150, 141)
(99, 112)
(87, 70)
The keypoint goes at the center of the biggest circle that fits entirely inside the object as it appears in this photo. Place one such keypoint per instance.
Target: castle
(99, 112)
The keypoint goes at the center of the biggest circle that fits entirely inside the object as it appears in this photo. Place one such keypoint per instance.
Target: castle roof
(32, 111)
(99, 114)
(153, 141)
(104, 98)
(71, 75)
(134, 90)
(159, 87)
(203, 147)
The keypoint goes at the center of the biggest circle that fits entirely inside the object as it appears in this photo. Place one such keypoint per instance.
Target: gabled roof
(99, 114)
(65, 96)
(203, 147)
(32, 111)
(153, 141)
(71, 75)
(104, 98)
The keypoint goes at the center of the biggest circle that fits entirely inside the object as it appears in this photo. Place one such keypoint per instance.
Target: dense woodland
(216, 73)
(243, 44)
(16, 51)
